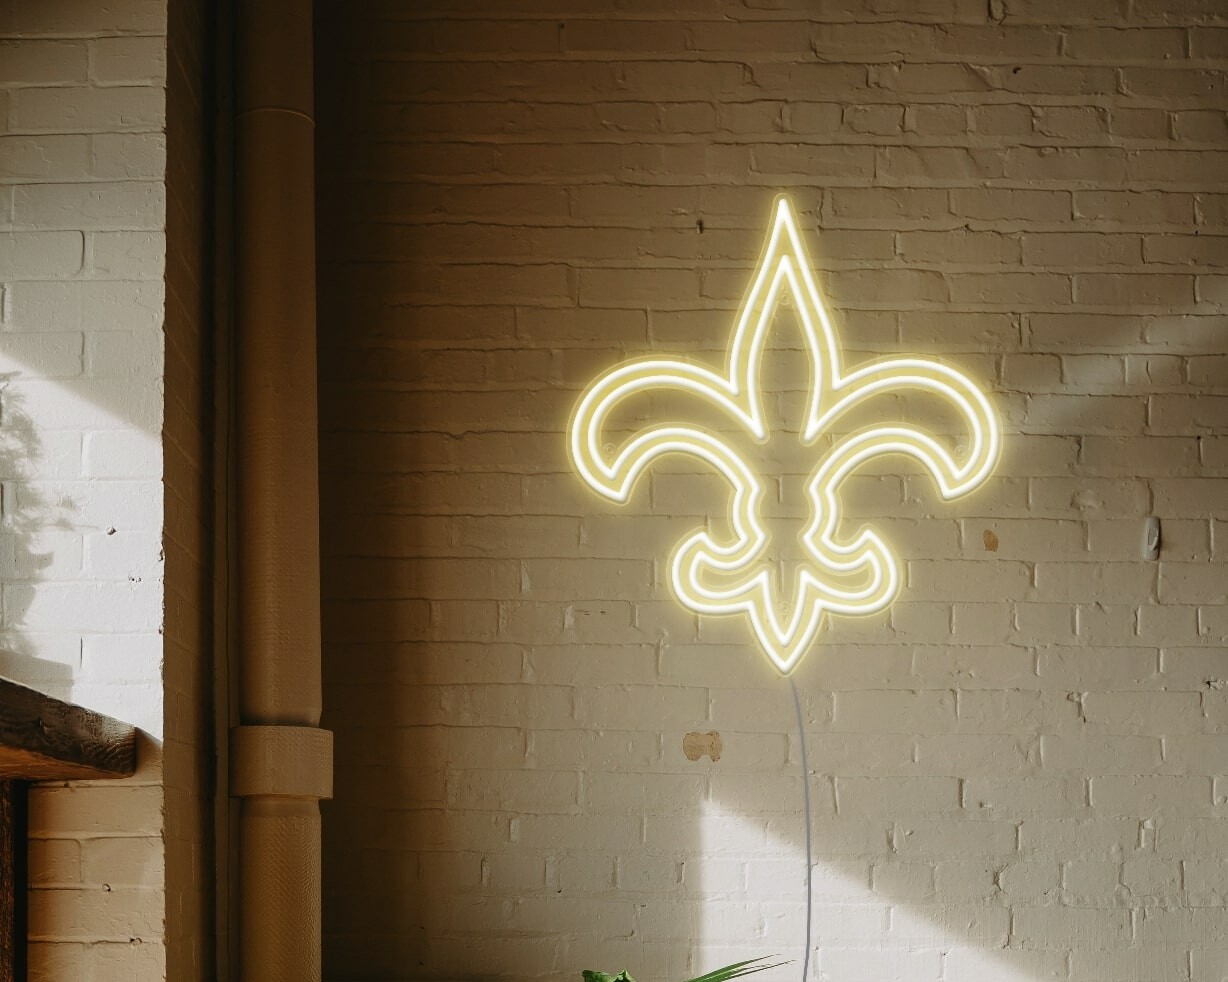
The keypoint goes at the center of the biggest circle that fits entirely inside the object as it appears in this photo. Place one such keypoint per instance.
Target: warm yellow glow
(857, 576)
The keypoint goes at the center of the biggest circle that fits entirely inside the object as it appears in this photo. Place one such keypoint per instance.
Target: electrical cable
(801, 733)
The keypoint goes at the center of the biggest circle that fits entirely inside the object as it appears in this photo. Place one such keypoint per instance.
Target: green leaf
(591, 976)
(734, 971)
(738, 969)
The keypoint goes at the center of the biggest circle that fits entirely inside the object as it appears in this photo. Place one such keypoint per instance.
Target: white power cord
(801, 733)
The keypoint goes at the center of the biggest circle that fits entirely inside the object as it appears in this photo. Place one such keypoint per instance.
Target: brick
(43, 158)
(951, 923)
(48, 355)
(77, 18)
(1080, 249)
(1194, 754)
(1172, 82)
(1185, 333)
(888, 203)
(911, 711)
(1111, 455)
(1143, 712)
(1208, 42)
(1093, 582)
(1057, 79)
(955, 331)
(1071, 121)
(56, 915)
(971, 964)
(940, 165)
(1173, 166)
(89, 206)
(1181, 497)
(979, 248)
(125, 255)
(1151, 795)
(917, 840)
(127, 156)
(129, 60)
(1089, 414)
(1192, 583)
(1010, 288)
(1208, 371)
(1192, 926)
(967, 580)
(871, 796)
(1002, 120)
(1091, 882)
(1133, 207)
(528, 791)
(860, 965)
(121, 862)
(1068, 926)
(1118, 45)
(1211, 209)
(830, 163)
(1186, 250)
(73, 110)
(127, 810)
(29, 62)
(54, 862)
(1047, 164)
(804, 118)
(1183, 413)
(876, 119)
(1141, 124)
(1003, 798)
(40, 255)
(935, 120)
(1201, 126)
(936, 78)
(1133, 290)
(887, 285)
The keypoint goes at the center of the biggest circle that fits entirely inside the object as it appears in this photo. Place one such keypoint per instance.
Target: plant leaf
(738, 969)
(590, 976)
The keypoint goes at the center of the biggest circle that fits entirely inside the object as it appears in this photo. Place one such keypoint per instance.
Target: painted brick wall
(1018, 773)
(82, 171)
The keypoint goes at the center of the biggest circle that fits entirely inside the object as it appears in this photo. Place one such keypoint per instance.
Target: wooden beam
(44, 739)
(12, 881)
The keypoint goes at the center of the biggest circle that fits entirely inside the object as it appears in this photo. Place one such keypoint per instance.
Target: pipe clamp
(281, 761)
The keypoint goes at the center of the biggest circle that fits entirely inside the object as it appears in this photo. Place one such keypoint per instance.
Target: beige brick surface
(80, 343)
(1015, 772)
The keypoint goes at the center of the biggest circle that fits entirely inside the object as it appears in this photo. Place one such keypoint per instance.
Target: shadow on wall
(511, 808)
(28, 524)
(511, 801)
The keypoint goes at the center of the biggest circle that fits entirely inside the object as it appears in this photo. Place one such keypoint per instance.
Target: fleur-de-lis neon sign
(731, 575)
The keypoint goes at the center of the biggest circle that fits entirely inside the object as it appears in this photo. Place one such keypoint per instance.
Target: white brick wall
(1018, 772)
(82, 172)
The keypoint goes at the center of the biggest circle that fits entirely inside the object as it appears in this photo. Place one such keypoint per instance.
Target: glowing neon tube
(727, 576)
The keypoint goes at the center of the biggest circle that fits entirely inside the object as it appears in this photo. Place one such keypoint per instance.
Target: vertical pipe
(281, 762)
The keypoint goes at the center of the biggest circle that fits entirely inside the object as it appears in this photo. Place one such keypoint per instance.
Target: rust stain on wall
(696, 745)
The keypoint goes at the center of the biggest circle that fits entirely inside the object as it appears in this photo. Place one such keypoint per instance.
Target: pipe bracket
(281, 761)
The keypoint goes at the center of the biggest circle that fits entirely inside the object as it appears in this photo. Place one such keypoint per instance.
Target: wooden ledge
(44, 739)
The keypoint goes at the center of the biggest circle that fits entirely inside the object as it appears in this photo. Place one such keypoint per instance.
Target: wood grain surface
(44, 739)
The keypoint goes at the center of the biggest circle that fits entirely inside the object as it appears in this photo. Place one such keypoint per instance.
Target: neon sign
(727, 575)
